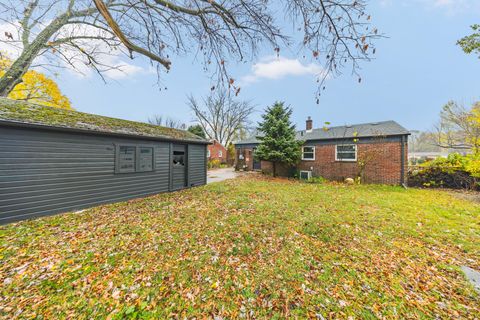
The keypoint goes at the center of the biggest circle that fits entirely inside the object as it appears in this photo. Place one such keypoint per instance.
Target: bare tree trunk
(17, 70)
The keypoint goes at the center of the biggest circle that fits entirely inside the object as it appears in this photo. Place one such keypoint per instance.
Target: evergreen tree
(198, 130)
(278, 143)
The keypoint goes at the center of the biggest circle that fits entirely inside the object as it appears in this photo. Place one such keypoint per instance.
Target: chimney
(309, 124)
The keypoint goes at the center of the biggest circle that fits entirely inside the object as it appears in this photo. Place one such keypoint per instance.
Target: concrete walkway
(217, 175)
(473, 276)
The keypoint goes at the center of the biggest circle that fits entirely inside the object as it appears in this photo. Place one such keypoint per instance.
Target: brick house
(216, 151)
(377, 152)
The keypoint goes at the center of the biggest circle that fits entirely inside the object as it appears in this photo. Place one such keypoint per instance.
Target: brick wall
(214, 149)
(281, 169)
(383, 163)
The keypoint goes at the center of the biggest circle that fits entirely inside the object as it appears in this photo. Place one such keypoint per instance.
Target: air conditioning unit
(305, 175)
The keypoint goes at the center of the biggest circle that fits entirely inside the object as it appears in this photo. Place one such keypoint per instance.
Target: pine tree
(278, 143)
(198, 130)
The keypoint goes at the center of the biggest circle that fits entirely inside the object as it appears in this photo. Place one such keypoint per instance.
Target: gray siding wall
(197, 164)
(45, 172)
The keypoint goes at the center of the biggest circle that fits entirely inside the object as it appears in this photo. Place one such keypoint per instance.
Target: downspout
(402, 170)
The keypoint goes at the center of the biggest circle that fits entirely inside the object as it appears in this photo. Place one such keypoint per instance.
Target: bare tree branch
(220, 116)
(159, 120)
(102, 8)
(335, 33)
(459, 127)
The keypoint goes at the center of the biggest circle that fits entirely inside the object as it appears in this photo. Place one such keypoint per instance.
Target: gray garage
(54, 160)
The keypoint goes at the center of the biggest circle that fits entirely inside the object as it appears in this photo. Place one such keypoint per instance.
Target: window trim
(220, 153)
(303, 152)
(346, 160)
(185, 159)
(208, 153)
(137, 157)
(309, 174)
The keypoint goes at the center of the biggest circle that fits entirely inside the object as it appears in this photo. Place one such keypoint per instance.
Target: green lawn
(253, 248)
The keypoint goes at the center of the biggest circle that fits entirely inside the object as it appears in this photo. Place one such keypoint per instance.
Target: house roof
(23, 113)
(362, 130)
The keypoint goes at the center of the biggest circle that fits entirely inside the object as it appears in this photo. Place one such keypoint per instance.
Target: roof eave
(11, 123)
(332, 138)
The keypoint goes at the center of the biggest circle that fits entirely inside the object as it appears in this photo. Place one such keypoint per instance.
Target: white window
(208, 153)
(308, 153)
(305, 175)
(220, 154)
(346, 152)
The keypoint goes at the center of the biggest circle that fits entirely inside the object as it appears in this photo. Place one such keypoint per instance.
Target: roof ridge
(353, 125)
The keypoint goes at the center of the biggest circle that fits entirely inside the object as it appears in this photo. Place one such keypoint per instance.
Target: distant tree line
(219, 116)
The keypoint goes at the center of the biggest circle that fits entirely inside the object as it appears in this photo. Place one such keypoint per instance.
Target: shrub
(316, 180)
(213, 164)
(455, 171)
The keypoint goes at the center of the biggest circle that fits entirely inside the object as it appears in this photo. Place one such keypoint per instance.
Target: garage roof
(23, 113)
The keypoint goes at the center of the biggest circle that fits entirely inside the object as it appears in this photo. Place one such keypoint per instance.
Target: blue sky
(416, 70)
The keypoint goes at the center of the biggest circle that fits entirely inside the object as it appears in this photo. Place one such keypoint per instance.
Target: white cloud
(124, 70)
(12, 49)
(448, 6)
(453, 7)
(385, 3)
(274, 68)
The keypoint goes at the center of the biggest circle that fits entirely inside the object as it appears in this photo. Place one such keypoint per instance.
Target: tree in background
(167, 122)
(230, 154)
(221, 116)
(36, 88)
(471, 43)
(277, 142)
(421, 141)
(197, 130)
(245, 131)
(459, 127)
(79, 33)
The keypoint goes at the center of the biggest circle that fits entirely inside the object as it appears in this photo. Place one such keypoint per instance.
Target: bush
(214, 164)
(455, 171)
(316, 180)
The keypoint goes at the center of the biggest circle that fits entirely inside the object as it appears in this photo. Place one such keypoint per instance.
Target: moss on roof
(23, 112)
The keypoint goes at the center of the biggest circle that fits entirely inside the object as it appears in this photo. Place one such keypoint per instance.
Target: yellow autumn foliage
(36, 88)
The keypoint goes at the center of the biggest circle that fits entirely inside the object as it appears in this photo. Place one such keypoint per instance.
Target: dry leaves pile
(248, 248)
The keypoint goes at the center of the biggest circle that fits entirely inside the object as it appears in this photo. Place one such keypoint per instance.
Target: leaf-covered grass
(250, 247)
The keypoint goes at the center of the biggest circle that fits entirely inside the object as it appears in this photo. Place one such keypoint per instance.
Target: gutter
(334, 139)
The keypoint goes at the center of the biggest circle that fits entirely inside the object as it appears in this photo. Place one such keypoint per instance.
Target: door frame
(185, 160)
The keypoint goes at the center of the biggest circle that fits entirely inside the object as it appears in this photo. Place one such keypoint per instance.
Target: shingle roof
(362, 130)
(26, 113)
